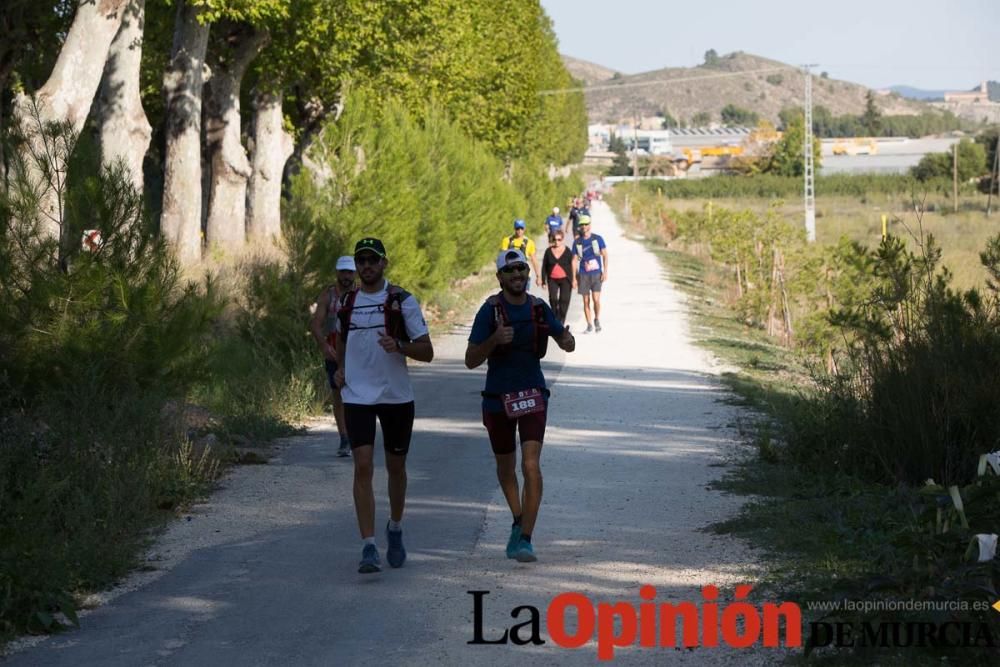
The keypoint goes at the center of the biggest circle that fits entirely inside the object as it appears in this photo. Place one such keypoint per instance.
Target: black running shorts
(396, 420)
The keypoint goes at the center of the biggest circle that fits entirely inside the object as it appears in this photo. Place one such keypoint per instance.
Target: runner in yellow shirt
(520, 241)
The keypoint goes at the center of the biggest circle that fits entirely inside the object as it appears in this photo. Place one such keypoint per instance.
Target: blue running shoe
(525, 553)
(396, 553)
(515, 539)
(370, 562)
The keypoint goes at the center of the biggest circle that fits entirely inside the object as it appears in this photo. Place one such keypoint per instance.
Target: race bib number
(591, 265)
(519, 403)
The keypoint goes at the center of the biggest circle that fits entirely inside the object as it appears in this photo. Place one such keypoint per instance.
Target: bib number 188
(520, 403)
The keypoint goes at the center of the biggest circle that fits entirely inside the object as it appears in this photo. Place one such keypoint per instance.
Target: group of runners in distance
(366, 327)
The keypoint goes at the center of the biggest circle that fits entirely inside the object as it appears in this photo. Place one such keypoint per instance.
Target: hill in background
(587, 72)
(992, 87)
(912, 93)
(675, 91)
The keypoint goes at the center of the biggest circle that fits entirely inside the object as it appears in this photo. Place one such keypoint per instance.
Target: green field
(961, 235)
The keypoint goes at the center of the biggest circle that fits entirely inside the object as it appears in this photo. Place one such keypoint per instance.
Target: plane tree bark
(123, 129)
(65, 99)
(180, 220)
(239, 44)
(272, 146)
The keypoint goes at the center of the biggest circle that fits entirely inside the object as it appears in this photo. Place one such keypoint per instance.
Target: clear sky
(931, 44)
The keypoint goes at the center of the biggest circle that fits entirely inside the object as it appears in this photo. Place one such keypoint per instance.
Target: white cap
(346, 263)
(555, 210)
(510, 256)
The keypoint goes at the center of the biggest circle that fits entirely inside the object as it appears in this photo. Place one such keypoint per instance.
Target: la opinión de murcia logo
(573, 620)
(737, 624)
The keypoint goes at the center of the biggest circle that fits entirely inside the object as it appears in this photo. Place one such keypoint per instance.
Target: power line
(658, 82)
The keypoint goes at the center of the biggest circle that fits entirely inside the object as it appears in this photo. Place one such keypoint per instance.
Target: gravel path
(264, 573)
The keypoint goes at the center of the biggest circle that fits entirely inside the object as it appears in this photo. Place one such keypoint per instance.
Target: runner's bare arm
(418, 349)
(576, 269)
(318, 323)
(475, 354)
(566, 341)
(340, 378)
(604, 264)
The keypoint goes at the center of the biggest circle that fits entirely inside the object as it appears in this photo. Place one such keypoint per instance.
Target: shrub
(913, 402)
(439, 201)
(92, 344)
(971, 163)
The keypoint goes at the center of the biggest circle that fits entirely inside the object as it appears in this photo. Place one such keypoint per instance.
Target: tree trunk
(226, 224)
(272, 146)
(124, 130)
(66, 98)
(180, 221)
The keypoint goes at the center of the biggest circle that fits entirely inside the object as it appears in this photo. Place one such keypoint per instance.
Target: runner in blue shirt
(590, 264)
(511, 333)
(553, 223)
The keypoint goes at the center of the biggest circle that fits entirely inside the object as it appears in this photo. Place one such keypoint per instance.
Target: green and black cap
(370, 243)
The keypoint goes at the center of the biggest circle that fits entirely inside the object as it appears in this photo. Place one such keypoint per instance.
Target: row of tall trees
(165, 86)
(873, 123)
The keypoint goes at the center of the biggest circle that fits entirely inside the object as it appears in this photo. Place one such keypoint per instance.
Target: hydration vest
(523, 247)
(395, 325)
(580, 247)
(539, 325)
(332, 309)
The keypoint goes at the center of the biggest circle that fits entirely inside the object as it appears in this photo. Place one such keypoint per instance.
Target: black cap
(372, 244)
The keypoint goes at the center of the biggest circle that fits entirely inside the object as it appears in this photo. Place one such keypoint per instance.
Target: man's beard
(516, 291)
(344, 284)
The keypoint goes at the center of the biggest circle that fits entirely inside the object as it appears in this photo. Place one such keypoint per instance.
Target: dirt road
(265, 573)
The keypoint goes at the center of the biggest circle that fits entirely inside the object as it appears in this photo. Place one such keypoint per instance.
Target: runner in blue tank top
(590, 263)
(511, 333)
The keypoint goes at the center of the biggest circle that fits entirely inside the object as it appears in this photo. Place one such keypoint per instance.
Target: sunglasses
(369, 259)
(511, 268)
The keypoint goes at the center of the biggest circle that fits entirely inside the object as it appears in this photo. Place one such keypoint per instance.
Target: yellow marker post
(885, 223)
(996, 605)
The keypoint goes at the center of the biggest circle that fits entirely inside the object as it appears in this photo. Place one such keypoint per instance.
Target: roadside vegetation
(126, 384)
(871, 377)
(131, 374)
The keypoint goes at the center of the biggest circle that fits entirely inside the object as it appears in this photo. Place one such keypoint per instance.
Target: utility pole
(635, 149)
(954, 176)
(807, 154)
(993, 175)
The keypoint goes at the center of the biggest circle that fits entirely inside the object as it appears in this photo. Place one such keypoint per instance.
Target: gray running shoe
(589, 328)
(345, 448)
(597, 325)
(370, 562)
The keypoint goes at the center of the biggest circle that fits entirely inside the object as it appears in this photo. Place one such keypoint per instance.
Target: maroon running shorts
(501, 429)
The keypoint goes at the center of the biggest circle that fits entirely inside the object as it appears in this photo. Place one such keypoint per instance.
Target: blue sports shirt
(519, 368)
(588, 251)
